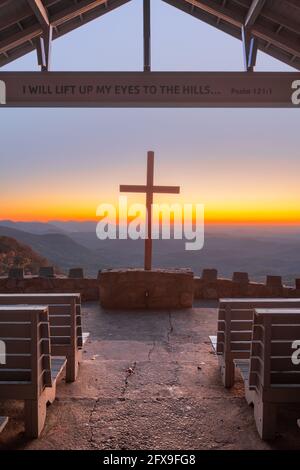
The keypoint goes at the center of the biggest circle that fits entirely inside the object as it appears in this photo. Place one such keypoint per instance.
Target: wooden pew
(3, 422)
(67, 338)
(29, 372)
(270, 375)
(235, 330)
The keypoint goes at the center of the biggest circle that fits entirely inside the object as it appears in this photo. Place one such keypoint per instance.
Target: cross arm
(166, 189)
(124, 188)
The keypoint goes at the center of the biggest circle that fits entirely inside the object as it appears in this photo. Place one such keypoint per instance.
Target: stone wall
(89, 288)
(139, 289)
(208, 286)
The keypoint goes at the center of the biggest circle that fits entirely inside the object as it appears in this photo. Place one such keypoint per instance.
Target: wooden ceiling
(274, 25)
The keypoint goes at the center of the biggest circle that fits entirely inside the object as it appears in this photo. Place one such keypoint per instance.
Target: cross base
(125, 289)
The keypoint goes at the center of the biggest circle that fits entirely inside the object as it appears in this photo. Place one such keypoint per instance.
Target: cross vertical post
(147, 36)
(149, 202)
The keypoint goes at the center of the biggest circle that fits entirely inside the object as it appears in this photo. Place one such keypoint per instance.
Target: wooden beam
(76, 10)
(207, 18)
(40, 12)
(254, 11)
(25, 12)
(268, 13)
(20, 37)
(28, 44)
(217, 10)
(277, 40)
(36, 30)
(147, 36)
(238, 20)
(28, 89)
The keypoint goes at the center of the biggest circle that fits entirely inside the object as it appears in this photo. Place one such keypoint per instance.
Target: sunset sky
(242, 164)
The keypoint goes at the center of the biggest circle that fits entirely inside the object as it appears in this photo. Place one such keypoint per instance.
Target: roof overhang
(272, 26)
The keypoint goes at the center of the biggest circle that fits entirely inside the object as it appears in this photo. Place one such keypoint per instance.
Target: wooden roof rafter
(276, 23)
(272, 26)
(16, 41)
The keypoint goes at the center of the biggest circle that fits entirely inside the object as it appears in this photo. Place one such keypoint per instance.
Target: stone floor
(149, 381)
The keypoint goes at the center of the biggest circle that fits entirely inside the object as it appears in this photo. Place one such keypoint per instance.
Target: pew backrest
(272, 364)
(26, 370)
(65, 325)
(235, 320)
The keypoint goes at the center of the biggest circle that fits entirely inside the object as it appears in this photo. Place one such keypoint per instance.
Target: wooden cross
(149, 189)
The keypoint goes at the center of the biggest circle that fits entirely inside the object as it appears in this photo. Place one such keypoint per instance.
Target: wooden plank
(237, 314)
(240, 304)
(222, 12)
(131, 89)
(47, 298)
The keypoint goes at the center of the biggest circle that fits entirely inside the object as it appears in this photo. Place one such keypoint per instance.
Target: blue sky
(80, 156)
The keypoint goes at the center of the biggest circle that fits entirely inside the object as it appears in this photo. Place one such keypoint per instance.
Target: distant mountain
(39, 228)
(58, 248)
(274, 251)
(259, 256)
(74, 226)
(13, 254)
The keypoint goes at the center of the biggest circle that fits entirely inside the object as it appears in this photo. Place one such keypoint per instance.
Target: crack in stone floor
(129, 372)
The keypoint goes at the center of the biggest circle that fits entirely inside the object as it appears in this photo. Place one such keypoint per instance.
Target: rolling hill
(13, 254)
(58, 248)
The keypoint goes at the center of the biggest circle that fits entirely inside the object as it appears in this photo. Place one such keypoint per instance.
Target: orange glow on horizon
(213, 215)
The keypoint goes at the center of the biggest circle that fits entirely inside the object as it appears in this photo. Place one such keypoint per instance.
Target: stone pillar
(76, 273)
(209, 275)
(47, 272)
(16, 273)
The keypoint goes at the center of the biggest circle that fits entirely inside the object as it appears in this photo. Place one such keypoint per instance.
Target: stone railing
(208, 286)
(48, 282)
